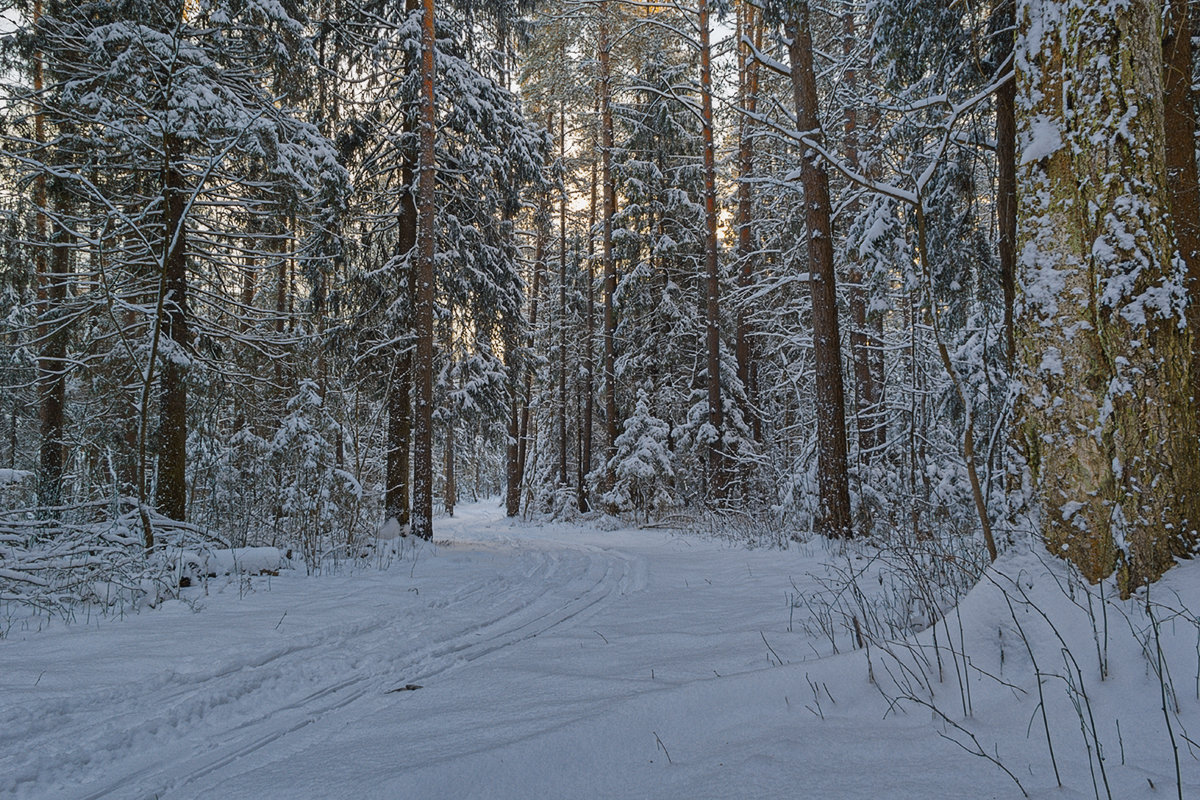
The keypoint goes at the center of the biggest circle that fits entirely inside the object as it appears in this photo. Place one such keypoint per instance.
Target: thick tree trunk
(1182, 183)
(171, 495)
(1106, 424)
(422, 511)
(833, 516)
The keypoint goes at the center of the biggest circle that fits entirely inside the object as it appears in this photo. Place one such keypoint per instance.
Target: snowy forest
(898, 295)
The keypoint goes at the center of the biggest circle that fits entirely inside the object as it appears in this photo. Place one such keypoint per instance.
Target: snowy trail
(585, 579)
(554, 661)
(250, 699)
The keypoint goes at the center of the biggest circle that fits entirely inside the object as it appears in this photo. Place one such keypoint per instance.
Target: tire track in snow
(119, 722)
(593, 575)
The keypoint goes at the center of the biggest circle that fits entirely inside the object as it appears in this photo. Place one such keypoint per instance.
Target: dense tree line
(280, 273)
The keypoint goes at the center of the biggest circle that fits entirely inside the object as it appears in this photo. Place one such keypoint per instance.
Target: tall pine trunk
(52, 293)
(171, 495)
(833, 515)
(712, 276)
(399, 431)
(610, 267)
(589, 357)
(422, 511)
(562, 305)
(868, 394)
(1006, 176)
(750, 30)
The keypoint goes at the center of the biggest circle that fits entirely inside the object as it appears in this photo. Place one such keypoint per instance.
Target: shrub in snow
(318, 500)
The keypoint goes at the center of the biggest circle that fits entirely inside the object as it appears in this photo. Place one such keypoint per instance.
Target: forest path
(552, 661)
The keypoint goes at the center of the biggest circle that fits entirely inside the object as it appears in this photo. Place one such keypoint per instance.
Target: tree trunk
(716, 416)
(399, 431)
(52, 365)
(512, 474)
(525, 439)
(171, 495)
(750, 28)
(1106, 424)
(562, 306)
(399, 441)
(868, 395)
(449, 487)
(1006, 178)
(610, 266)
(833, 516)
(51, 283)
(422, 511)
(589, 358)
(1182, 183)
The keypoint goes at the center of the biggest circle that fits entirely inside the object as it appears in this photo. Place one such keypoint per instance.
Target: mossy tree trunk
(1105, 424)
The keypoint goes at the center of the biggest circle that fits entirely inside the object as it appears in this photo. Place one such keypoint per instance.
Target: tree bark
(562, 305)
(716, 414)
(750, 27)
(171, 495)
(1106, 423)
(610, 266)
(399, 441)
(512, 474)
(868, 394)
(589, 357)
(1182, 182)
(525, 438)
(1006, 179)
(51, 283)
(449, 486)
(52, 365)
(833, 515)
(422, 511)
(399, 431)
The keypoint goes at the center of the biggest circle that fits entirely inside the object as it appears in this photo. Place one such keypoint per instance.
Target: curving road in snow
(552, 661)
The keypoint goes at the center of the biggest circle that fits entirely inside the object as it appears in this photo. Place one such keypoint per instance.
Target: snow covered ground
(570, 662)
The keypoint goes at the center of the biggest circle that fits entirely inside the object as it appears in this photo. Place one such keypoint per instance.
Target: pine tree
(833, 517)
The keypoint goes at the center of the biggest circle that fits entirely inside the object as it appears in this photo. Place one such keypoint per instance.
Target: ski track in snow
(568, 662)
(249, 704)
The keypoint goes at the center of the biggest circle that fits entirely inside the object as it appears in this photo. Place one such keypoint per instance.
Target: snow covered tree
(168, 142)
(642, 464)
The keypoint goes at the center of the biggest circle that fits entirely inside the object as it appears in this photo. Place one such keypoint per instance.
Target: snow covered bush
(642, 463)
(318, 499)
